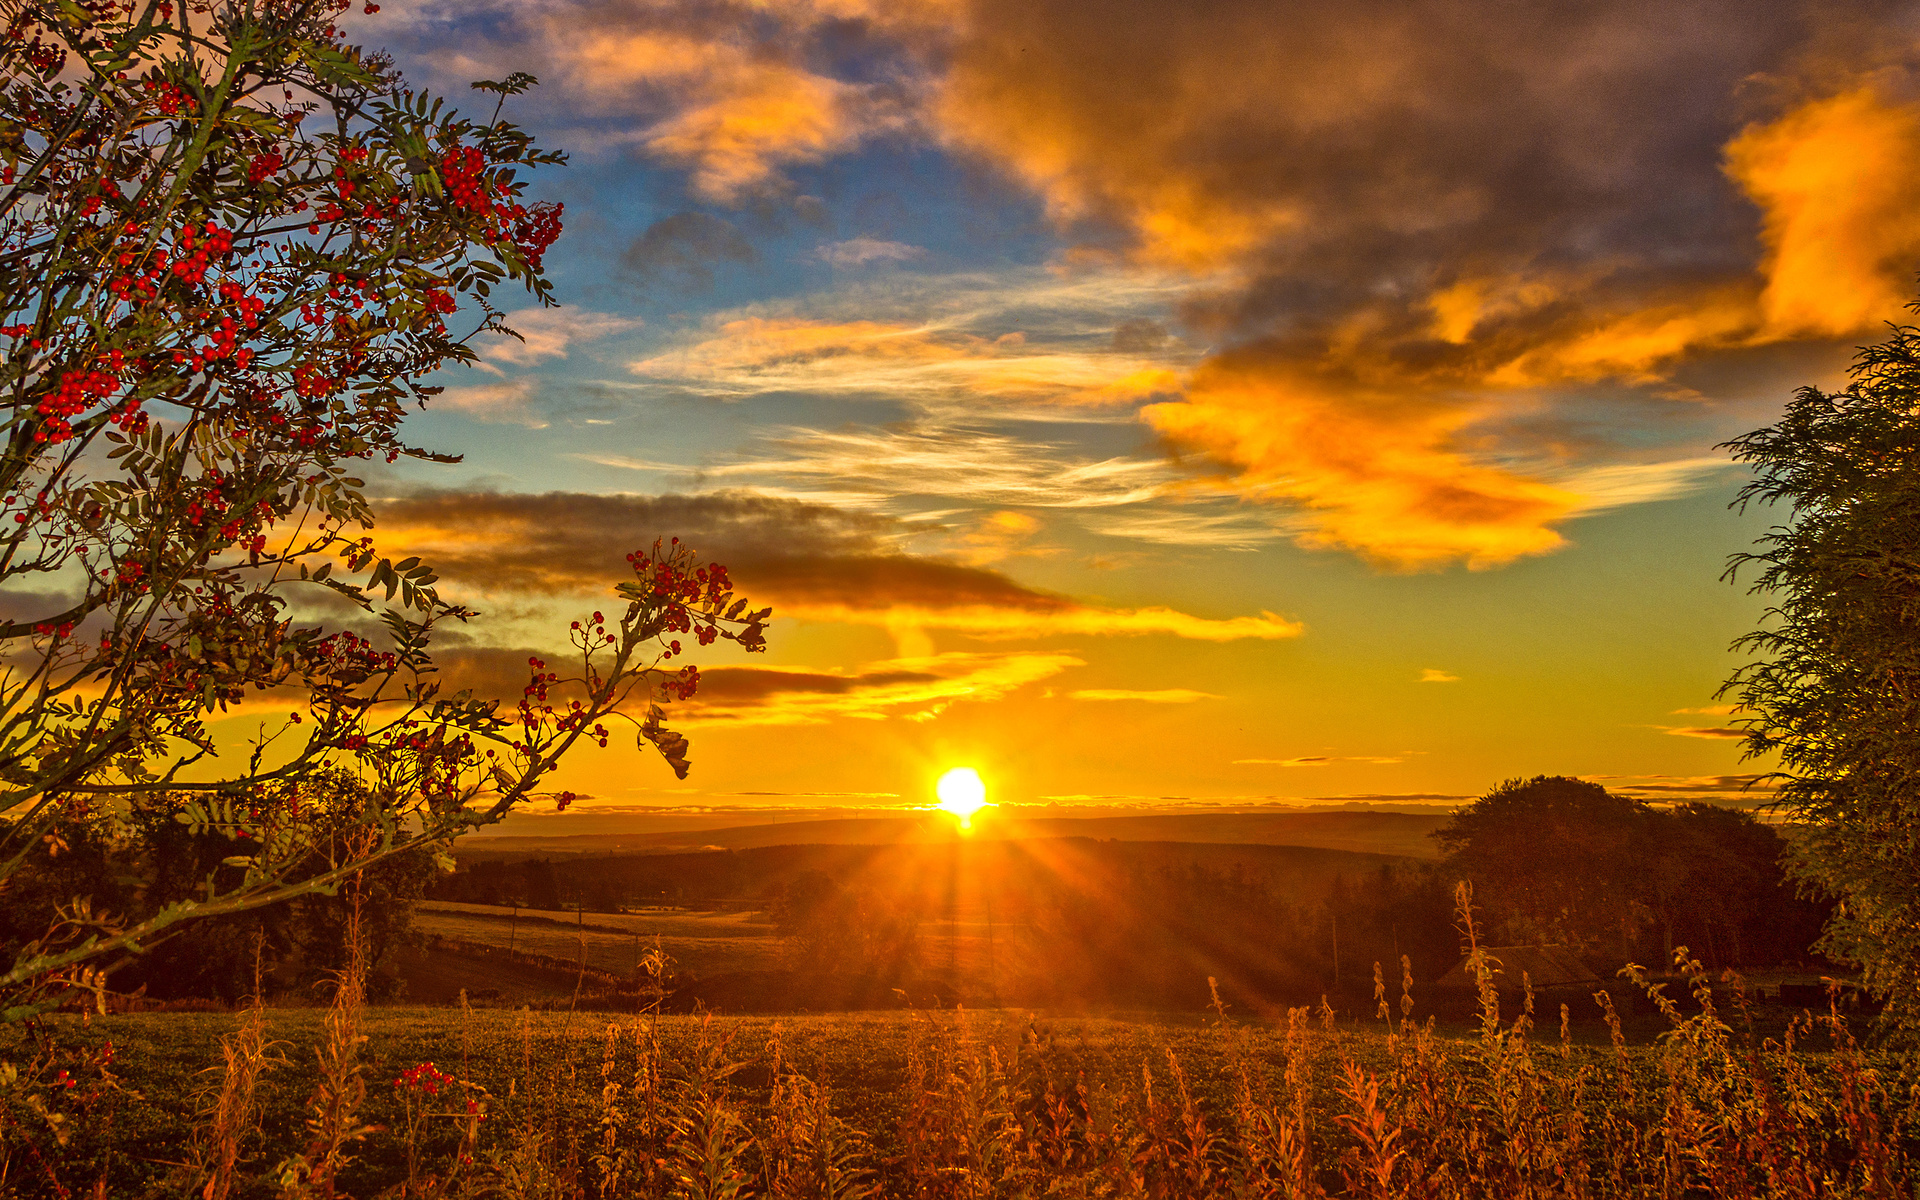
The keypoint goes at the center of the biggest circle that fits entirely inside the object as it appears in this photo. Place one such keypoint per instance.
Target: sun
(962, 794)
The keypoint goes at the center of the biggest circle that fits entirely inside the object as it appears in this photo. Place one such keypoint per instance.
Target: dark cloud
(772, 695)
(1705, 785)
(500, 673)
(745, 685)
(18, 604)
(808, 560)
(563, 542)
(1436, 214)
(682, 250)
(1357, 150)
(1139, 336)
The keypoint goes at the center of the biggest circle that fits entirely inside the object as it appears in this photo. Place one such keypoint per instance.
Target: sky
(1225, 403)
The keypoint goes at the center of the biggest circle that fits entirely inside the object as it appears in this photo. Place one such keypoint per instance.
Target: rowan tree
(232, 247)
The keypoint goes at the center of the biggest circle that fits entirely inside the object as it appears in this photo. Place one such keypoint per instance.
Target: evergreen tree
(1835, 688)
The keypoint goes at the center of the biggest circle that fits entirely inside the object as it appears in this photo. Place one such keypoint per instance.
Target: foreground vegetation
(405, 1103)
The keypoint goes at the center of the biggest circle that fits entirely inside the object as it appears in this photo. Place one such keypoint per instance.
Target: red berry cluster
(536, 230)
(170, 98)
(463, 170)
(310, 383)
(78, 391)
(199, 249)
(45, 57)
(541, 680)
(683, 685)
(345, 659)
(264, 167)
(425, 1078)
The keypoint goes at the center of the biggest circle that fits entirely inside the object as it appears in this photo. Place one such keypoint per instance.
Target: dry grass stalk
(246, 1054)
(333, 1121)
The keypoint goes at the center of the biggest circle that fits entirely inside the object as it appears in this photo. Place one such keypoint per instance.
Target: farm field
(1007, 1100)
(1394, 833)
(707, 943)
(701, 945)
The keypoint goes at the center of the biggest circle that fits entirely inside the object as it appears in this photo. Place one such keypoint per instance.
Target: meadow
(404, 1102)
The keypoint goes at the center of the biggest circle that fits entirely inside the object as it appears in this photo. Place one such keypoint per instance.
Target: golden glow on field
(961, 793)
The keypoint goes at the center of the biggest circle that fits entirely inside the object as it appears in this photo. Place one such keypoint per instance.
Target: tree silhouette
(1555, 859)
(1834, 689)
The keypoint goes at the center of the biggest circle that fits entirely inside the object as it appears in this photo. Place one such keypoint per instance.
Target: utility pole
(993, 987)
(1335, 915)
(513, 928)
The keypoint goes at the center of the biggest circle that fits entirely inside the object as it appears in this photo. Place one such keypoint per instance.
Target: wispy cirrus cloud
(974, 465)
(861, 251)
(509, 403)
(1320, 760)
(549, 333)
(751, 355)
(970, 463)
(1151, 696)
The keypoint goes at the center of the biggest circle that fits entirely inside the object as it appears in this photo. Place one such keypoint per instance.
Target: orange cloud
(1177, 221)
(1376, 470)
(1839, 182)
(998, 535)
(735, 113)
(1438, 222)
(769, 116)
(495, 403)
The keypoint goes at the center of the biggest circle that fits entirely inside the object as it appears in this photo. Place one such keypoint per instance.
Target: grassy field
(940, 1104)
(553, 1057)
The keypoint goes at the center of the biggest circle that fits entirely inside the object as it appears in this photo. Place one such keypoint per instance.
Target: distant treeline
(1078, 919)
(289, 948)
